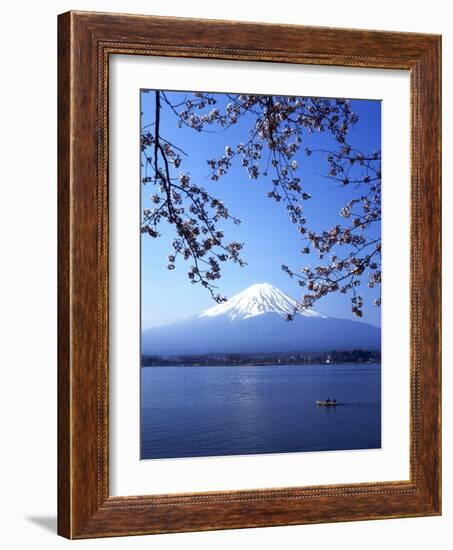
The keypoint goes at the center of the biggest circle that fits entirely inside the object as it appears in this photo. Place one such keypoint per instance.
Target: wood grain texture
(85, 42)
(64, 368)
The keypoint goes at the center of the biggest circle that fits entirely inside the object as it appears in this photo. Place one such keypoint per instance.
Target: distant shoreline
(353, 357)
(195, 365)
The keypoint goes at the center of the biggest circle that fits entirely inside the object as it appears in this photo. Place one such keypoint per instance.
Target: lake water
(214, 411)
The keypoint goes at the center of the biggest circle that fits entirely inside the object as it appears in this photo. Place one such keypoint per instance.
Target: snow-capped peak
(256, 300)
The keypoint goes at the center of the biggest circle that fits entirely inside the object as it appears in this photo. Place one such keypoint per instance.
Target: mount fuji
(255, 321)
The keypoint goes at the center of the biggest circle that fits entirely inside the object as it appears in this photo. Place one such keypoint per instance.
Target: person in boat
(334, 401)
(327, 400)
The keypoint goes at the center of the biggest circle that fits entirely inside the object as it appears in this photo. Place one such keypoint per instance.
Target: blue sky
(270, 238)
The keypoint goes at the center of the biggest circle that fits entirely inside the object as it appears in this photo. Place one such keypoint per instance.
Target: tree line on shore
(356, 356)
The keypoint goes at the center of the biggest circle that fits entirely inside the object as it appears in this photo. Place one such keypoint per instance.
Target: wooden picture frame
(85, 41)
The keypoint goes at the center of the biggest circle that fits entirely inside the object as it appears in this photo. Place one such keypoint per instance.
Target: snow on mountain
(255, 300)
(254, 321)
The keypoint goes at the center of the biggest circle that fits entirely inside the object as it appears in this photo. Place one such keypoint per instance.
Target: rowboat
(327, 403)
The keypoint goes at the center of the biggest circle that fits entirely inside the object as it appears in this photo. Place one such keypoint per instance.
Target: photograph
(220, 330)
(236, 330)
(260, 226)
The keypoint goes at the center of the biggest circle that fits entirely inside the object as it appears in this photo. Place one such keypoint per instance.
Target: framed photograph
(249, 275)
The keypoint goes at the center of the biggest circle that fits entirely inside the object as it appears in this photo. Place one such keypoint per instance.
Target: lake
(217, 411)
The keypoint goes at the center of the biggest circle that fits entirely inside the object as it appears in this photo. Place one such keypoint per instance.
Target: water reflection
(206, 411)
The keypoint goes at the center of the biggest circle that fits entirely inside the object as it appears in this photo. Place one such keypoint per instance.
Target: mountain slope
(256, 300)
(255, 321)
